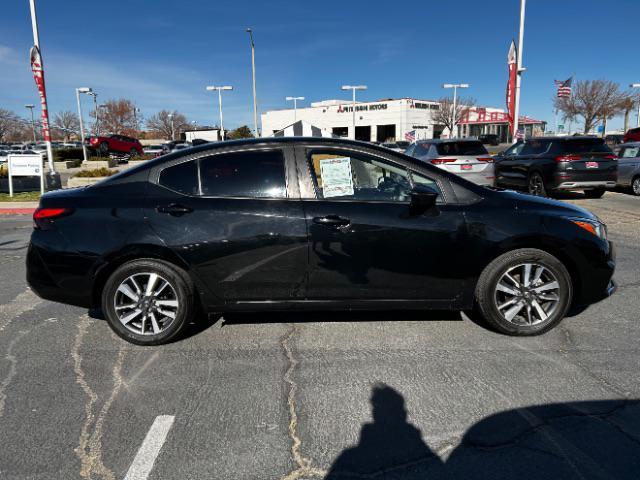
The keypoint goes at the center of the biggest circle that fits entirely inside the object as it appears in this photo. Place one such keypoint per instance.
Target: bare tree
(591, 101)
(65, 124)
(167, 124)
(445, 114)
(10, 124)
(118, 117)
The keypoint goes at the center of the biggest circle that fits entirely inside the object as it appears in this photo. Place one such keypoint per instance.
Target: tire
(494, 305)
(536, 185)
(635, 186)
(133, 152)
(595, 193)
(103, 149)
(155, 324)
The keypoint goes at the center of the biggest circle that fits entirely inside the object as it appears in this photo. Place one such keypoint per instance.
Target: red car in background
(115, 144)
(632, 135)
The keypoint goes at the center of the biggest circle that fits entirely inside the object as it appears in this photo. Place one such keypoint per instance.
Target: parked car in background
(403, 144)
(180, 146)
(3, 156)
(629, 167)
(467, 158)
(632, 135)
(489, 139)
(155, 150)
(544, 165)
(393, 146)
(614, 139)
(310, 223)
(115, 144)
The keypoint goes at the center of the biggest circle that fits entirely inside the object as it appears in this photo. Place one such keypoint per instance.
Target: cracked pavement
(378, 395)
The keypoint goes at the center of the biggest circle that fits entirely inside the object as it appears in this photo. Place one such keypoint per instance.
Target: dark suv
(547, 164)
(489, 139)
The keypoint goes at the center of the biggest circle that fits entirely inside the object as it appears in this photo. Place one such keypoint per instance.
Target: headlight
(592, 226)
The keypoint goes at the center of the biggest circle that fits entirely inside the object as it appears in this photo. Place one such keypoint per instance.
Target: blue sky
(161, 54)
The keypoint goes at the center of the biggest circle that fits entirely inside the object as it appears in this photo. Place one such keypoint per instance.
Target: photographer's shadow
(390, 444)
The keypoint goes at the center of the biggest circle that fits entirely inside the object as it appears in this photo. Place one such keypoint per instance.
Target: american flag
(520, 134)
(564, 87)
(410, 136)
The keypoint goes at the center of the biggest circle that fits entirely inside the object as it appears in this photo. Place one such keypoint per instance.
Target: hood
(524, 202)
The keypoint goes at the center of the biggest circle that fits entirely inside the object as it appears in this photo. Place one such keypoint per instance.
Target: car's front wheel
(524, 292)
(148, 302)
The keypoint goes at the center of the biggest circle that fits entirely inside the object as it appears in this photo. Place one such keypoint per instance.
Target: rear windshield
(585, 146)
(461, 148)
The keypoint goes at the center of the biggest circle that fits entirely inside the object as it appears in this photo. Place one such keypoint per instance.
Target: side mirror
(423, 198)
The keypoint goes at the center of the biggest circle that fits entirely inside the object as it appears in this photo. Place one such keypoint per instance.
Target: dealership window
(182, 178)
(257, 174)
(357, 176)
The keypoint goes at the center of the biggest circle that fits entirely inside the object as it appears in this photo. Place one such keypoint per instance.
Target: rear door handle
(332, 221)
(174, 209)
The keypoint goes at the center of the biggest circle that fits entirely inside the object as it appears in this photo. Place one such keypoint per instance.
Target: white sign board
(25, 166)
(336, 177)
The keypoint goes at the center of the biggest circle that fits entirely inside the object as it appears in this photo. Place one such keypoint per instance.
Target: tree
(445, 114)
(119, 117)
(167, 124)
(65, 124)
(240, 132)
(592, 101)
(9, 124)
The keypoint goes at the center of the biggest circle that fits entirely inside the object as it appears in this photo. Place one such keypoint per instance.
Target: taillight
(567, 158)
(610, 157)
(440, 161)
(485, 159)
(43, 217)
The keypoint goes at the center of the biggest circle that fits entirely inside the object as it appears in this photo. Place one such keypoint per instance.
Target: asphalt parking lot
(376, 395)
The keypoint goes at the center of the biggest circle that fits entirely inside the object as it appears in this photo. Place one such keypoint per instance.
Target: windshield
(461, 148)
(586, 145)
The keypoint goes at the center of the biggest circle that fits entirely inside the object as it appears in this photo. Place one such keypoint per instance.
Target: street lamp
(170, 115)
(295, 105)
(353, 89)
(253, 77)
(219, 89)
(85, 90)
(637, 85)
(33, 123)
(455, 87)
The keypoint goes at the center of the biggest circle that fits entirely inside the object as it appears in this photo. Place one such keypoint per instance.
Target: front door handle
(174, 209)
(332, 221)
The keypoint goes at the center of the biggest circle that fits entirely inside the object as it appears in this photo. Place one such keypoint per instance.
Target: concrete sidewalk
(17, 208)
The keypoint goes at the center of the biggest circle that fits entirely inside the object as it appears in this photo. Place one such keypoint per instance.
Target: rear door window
(535, 147)
(461, 148)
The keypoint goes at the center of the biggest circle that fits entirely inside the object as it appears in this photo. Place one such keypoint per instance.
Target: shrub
(4, 172)
(62, 154)
(143, 157)
(96, 172)
(99, 159)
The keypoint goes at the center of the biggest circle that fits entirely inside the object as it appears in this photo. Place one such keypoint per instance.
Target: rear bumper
(571, 185)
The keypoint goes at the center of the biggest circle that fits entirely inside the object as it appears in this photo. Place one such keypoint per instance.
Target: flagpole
(45, 111)
(519, 70)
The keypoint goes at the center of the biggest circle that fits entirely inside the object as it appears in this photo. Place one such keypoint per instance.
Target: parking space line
(150, 448)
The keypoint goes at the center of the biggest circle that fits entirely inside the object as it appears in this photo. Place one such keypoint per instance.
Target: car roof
(630, 144)
(448, 140)
(566, 137)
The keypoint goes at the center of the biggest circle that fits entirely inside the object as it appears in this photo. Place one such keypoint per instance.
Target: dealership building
(393, 119)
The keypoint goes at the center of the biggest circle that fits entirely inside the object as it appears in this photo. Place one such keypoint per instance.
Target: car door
(364, 244)
(505, 166)
(628, 164)
(234, 216)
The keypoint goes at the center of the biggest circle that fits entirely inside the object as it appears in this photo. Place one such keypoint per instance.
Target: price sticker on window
(337, 180)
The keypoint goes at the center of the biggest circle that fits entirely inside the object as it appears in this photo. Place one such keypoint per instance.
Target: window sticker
(336, 177)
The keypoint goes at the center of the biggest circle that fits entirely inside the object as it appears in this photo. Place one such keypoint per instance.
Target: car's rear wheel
(594, 193)
(635, 186)
(148, 302)
(103, 149)
(524, 292)
(536, 185)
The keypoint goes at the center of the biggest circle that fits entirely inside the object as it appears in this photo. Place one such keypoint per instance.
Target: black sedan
(310, 223)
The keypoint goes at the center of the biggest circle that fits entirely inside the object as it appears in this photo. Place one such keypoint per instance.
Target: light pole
(170, 115)
(353, 89)
(80, 90)
(219, 89)
(33, 123)
(637, 85)
(295, 106)
(519, 70)
(455, 87)
(253, 77)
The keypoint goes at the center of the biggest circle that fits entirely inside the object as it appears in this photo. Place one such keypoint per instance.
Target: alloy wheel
(636, 186)
(146, 303)
(527, 294)
(536, 185)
